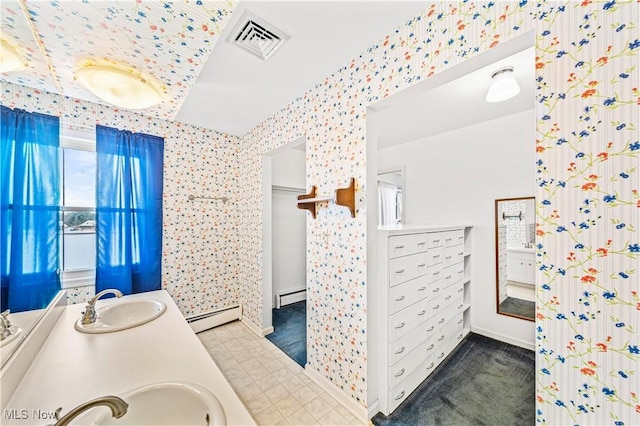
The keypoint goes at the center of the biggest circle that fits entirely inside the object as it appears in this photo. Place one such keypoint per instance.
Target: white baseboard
(267, 330)
(252, 326)
(347, 402)
(503, 338)
(374, 409)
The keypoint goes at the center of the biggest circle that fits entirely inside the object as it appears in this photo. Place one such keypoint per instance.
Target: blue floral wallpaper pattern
(588, 246)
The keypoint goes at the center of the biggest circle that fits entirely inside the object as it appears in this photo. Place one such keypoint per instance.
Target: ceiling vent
(256, 36)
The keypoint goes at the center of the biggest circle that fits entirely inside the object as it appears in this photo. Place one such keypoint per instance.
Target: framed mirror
(515, 257)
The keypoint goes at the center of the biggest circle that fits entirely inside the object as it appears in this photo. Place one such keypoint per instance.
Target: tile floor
(271, 385)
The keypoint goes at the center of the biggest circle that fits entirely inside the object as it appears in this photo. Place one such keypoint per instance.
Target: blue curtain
(129, 210)
(29, 209)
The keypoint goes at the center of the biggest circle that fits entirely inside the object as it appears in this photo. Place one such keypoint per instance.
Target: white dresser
(423, 304)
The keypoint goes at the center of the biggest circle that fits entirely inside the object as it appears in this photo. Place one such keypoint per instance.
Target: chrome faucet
(89, 314)
(5, 325)
(117, 405)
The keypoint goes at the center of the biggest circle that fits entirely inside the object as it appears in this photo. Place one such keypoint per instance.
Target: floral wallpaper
(168, 45)
(588, 213)
(587, 241)
(200, 241)
(588, 308)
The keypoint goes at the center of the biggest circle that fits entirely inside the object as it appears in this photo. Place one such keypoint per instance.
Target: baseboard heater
(207, 320)
(290, 297)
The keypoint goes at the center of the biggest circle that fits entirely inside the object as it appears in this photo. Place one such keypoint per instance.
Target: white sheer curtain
(387, 204)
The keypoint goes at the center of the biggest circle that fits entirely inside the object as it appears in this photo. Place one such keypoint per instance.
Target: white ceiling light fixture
(503, 85)
(120, 87)
(10, 59)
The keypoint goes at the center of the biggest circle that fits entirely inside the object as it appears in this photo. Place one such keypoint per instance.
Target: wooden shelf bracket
(344, 197)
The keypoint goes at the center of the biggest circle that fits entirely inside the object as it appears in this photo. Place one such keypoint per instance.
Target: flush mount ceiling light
(504, 86)
(10, 59)
(120, 87)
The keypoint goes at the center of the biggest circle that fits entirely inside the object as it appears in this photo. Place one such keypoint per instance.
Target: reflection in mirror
(515, 257)
(390, 197)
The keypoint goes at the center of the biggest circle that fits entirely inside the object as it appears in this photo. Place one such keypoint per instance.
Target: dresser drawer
(404, 245)
(453, 238)
(407, 293)
(453, 255)
(406, 366)
(401, 391)
(453, 274)
(435, 256)
(406, 268)
(404, 345)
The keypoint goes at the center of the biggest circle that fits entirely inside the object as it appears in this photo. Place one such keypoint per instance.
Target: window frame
(81, 138)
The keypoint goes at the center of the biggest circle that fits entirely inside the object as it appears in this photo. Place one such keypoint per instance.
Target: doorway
(284, 232)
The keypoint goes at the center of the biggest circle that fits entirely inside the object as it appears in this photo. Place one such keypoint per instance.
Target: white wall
(288, 223)
(454, 178)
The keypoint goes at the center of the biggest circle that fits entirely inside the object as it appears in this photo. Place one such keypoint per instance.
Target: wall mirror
(515, 257)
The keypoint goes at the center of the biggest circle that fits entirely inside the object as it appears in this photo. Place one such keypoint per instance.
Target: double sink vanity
(119, 361)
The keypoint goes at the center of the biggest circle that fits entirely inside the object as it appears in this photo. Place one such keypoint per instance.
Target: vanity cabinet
(423, 302)
(521, 266)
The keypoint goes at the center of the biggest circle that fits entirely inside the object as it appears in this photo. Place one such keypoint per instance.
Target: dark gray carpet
(290, 331)
(519, 307)
(483, 382)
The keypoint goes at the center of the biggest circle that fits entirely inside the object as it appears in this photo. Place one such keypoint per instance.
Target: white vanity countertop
(521, 249)
(74, 367)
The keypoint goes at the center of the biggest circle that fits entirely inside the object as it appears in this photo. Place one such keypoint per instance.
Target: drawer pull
(448, 297)
(431, 346)
(422, 312)
(400, 271)
(436, 256)
(399, 299)
(421, 243)
(399, 351)
(441, 338)
(437, 289)
(447, 257)
(422, 265)
(436, 273)
(436, 307)
(436, 241)
(462, 254)
(399, 373)
(460, 307)
(400, 396)
(441, 355)
(460, 290)
(399, 326)
(430, 328)
(399, 247)
(423, 288)
(459, 322)
(448, 277)
(441, 321)
(430, 366)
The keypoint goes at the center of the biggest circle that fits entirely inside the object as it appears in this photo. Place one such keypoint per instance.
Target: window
(78, 245)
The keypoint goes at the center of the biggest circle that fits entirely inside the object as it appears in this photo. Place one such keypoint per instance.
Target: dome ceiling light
(119, 87)
(10, 59)
(503, 86)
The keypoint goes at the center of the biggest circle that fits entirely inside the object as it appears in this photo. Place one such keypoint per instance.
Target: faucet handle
(4, 318)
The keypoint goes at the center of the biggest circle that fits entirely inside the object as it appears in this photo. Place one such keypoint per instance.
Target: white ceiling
(236, 90)
(429, 108)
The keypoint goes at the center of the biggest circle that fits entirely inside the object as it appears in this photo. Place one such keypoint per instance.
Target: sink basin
(122, 315)
(171, 403)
